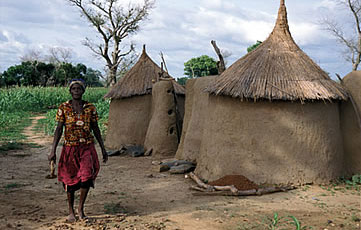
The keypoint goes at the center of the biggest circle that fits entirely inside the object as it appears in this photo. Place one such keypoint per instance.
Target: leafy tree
(34, 73)
(113, 22)
(92, 78)
(200, 67)
(46, 72)
(254, 46)
(2, 80)
(182, 80)
(13, 76)
(30, 75)
(66, 71)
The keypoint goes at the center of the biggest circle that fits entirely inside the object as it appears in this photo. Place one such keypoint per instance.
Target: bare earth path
(138, 198)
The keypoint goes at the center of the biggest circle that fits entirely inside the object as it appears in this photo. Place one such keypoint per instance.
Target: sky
(181, 30)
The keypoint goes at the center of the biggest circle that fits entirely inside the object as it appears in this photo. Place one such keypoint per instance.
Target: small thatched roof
(277, 70)
(139, 80)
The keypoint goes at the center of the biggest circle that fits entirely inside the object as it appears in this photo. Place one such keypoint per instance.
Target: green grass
(40, 99)
(17, 105)
(12, 125)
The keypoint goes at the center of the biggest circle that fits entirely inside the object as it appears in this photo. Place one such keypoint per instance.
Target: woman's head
(77, 88)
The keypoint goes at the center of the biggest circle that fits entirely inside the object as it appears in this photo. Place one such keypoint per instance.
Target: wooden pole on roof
(220, 64)
(163, 61)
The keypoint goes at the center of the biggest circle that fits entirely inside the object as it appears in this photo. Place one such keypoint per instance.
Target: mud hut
(351, 128)
(273, 116)
(196, 105)
(130, 110)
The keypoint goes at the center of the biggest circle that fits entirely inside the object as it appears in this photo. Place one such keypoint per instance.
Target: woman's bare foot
(71, 218)
(81, 214)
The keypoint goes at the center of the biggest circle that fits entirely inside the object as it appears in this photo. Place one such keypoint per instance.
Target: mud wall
(350, 126)
(196, 106)
(162, 130)
(128, 121)
(271, 142)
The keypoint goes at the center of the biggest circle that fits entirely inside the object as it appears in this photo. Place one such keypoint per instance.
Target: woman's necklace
(77, 108)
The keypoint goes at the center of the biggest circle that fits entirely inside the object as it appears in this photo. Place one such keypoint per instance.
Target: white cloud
(327, 4)
(180, 29)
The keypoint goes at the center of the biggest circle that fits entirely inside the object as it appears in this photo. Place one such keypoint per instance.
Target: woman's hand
(52, 157)
(105, 155)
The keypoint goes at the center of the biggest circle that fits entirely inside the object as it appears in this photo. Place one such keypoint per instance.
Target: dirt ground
(129, 194)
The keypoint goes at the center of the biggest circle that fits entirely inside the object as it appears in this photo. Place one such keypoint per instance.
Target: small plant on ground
(113, 208)
(353, 182)
(8, 187)
(276, 222)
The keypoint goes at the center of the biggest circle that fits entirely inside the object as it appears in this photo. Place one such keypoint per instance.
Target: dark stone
(177, 162)
(180, 169)
(113, 153)
(135, 151)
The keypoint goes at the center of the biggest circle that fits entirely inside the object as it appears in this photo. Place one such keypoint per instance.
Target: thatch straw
(277, 70)
(138, 80)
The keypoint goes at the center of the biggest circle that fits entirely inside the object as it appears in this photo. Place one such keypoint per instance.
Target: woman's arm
(98, 136)
(57, 135)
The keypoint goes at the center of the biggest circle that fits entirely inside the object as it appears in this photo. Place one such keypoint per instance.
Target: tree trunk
(112, 76)
(220, 64)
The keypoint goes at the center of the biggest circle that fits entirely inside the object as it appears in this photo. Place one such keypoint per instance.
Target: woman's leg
(84, 189)
(71, 217)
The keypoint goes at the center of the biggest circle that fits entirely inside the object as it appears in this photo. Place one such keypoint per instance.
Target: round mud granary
(273, 117)
(350, 115)
(162, 134)
(194, 117)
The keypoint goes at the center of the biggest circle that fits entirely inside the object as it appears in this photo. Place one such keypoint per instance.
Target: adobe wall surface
(350, 126)
(128, 121)
(162, 131)
(195, 114)
(271, 142)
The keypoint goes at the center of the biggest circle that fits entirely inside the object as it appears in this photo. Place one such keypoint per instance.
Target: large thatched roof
(277, 70)
(138, 80)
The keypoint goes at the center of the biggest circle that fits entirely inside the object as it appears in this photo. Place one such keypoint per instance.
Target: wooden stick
(200, 182)
(221, 65)
(252, 192)
(231, 190)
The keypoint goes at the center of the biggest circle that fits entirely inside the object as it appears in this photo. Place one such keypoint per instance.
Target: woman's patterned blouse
(77, 126)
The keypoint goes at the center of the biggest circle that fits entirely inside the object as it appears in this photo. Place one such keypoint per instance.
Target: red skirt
(78, 164)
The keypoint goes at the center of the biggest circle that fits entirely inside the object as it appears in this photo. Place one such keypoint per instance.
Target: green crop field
(17, 105)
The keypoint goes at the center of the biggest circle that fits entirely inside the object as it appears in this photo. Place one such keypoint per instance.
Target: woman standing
(78, 163)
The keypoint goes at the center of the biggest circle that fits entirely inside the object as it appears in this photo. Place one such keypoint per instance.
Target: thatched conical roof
(277, 70)
(138, 80)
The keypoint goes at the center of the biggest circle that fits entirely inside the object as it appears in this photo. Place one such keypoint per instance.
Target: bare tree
(114, 23)
(60, 54)
(31, 55)
(353, 42)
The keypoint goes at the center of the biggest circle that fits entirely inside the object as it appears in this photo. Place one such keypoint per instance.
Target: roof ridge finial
(282, 21)
(143, 52)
